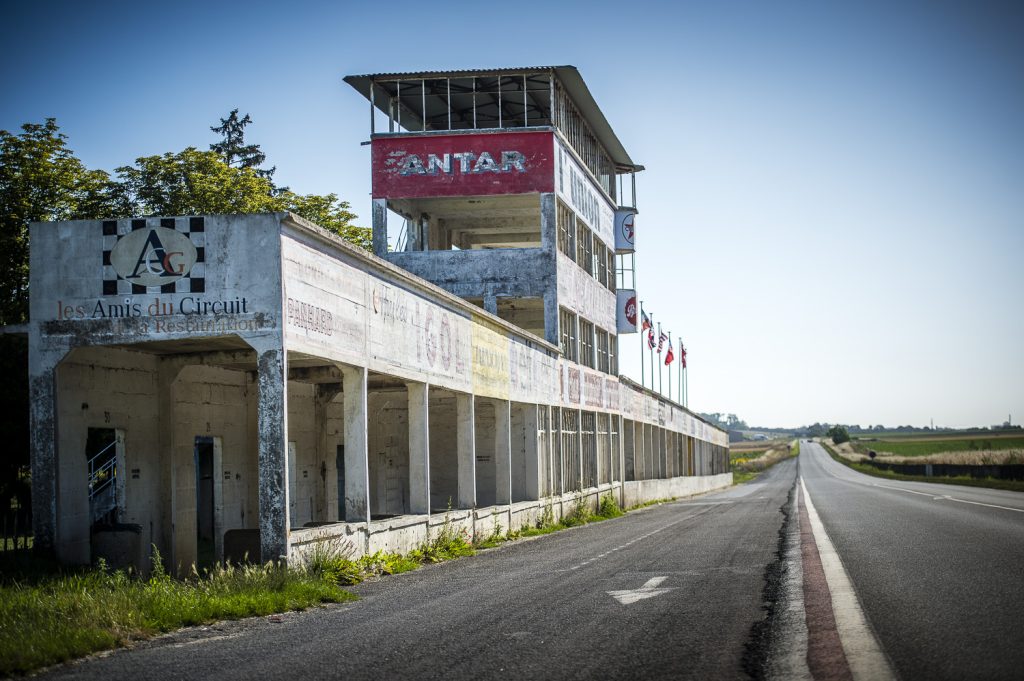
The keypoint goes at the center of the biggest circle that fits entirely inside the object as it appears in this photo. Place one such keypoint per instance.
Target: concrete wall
(642, 491)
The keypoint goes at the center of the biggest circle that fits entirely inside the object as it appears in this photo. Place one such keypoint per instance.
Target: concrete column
(579, 449)
(380, 228)
(549, 243)
(357, 442)
(419, 448)
(551, 316)
(502, 451)
(42, 388)
(272, 429)
(531, 419)
(465, 417)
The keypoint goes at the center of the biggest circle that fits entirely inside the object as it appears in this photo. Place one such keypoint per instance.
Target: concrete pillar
(551, 316)
(272, 448)
(357, 442)
(42, 388)
(531, 419)
(465, 417)
(380, 228)
(502, 451)
(579, 449)
(419, 448)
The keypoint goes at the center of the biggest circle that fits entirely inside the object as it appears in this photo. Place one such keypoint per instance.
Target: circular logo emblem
(631, 311)
(153, 257)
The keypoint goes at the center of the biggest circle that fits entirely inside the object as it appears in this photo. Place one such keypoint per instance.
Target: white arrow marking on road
(648, 590)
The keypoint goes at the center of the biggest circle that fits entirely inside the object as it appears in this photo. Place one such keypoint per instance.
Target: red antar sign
(463, 165)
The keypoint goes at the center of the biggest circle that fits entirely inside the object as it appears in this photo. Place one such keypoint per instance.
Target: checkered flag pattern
(192, 227)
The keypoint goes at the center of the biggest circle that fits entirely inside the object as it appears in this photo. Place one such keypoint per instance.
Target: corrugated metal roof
(570, 78)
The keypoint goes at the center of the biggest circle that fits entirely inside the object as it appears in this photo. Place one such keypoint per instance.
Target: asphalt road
(939, 569)
(536, 609)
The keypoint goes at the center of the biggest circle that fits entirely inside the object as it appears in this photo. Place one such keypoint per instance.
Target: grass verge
(57, 617)
(965, 480)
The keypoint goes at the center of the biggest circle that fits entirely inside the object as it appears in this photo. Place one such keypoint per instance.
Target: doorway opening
(206, 550)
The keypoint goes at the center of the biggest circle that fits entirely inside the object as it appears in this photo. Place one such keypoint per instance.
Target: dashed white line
(630, 543)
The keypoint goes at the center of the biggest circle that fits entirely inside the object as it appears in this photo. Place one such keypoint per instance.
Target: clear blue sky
(833, 212)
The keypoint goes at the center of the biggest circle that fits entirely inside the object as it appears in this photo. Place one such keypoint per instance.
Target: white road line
(923, 494)
(978, 503)
(863, 651)
(631, 542)
(208, 639)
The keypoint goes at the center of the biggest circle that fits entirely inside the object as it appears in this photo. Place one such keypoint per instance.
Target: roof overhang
(568, 76)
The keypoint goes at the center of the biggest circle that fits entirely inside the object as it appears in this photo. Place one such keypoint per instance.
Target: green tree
(191, 182)
(839, 434)
(331, 214)
(40, 180)
(233, 149)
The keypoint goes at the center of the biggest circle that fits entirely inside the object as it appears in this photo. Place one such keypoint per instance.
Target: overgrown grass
(580, 514)
(59, 617)
(333, 560)
(966, 480)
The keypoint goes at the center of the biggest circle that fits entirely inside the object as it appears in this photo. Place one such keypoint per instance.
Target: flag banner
(625, 312)
(646, 324)
(682, 355)
(661, 341)
(650, 339)
(624, 218)
(668, 354)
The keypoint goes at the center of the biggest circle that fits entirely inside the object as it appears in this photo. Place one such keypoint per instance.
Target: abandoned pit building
(230, 385)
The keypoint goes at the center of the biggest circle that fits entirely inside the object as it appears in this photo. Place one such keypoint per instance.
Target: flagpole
(642, 341)
(652, 353)
(670, 368)
(659, 359)
(680, 369)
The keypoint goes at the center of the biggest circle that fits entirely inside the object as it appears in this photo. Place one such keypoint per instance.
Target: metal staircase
(103, 485)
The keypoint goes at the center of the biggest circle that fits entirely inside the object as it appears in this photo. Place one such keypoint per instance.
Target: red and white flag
(661, 341)
(650, 339)
(668, 353)
(646, 324)
(682, 355)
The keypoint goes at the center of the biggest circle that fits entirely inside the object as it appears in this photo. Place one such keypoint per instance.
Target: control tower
(506, 188)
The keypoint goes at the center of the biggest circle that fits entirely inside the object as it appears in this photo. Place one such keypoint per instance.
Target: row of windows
(579, 243)
(583, 342)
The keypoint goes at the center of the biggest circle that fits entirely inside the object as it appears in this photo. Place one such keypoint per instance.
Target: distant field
(937, 435)
(924, 446)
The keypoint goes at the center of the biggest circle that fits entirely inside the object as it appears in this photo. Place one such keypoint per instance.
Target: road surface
(687, 582)
(938, 569)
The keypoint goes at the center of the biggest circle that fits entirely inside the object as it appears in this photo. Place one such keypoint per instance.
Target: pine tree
(233, 149)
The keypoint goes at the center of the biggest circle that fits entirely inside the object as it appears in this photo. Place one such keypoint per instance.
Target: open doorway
(206, 549)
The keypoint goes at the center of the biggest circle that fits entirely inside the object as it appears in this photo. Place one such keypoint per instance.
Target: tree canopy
(41, 180)
(232, 147)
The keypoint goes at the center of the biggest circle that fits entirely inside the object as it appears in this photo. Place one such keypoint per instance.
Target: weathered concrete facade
(227, 385)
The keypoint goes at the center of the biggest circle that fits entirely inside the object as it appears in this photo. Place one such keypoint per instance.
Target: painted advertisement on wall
(577, 189)
(153, 278)
(418, 166)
